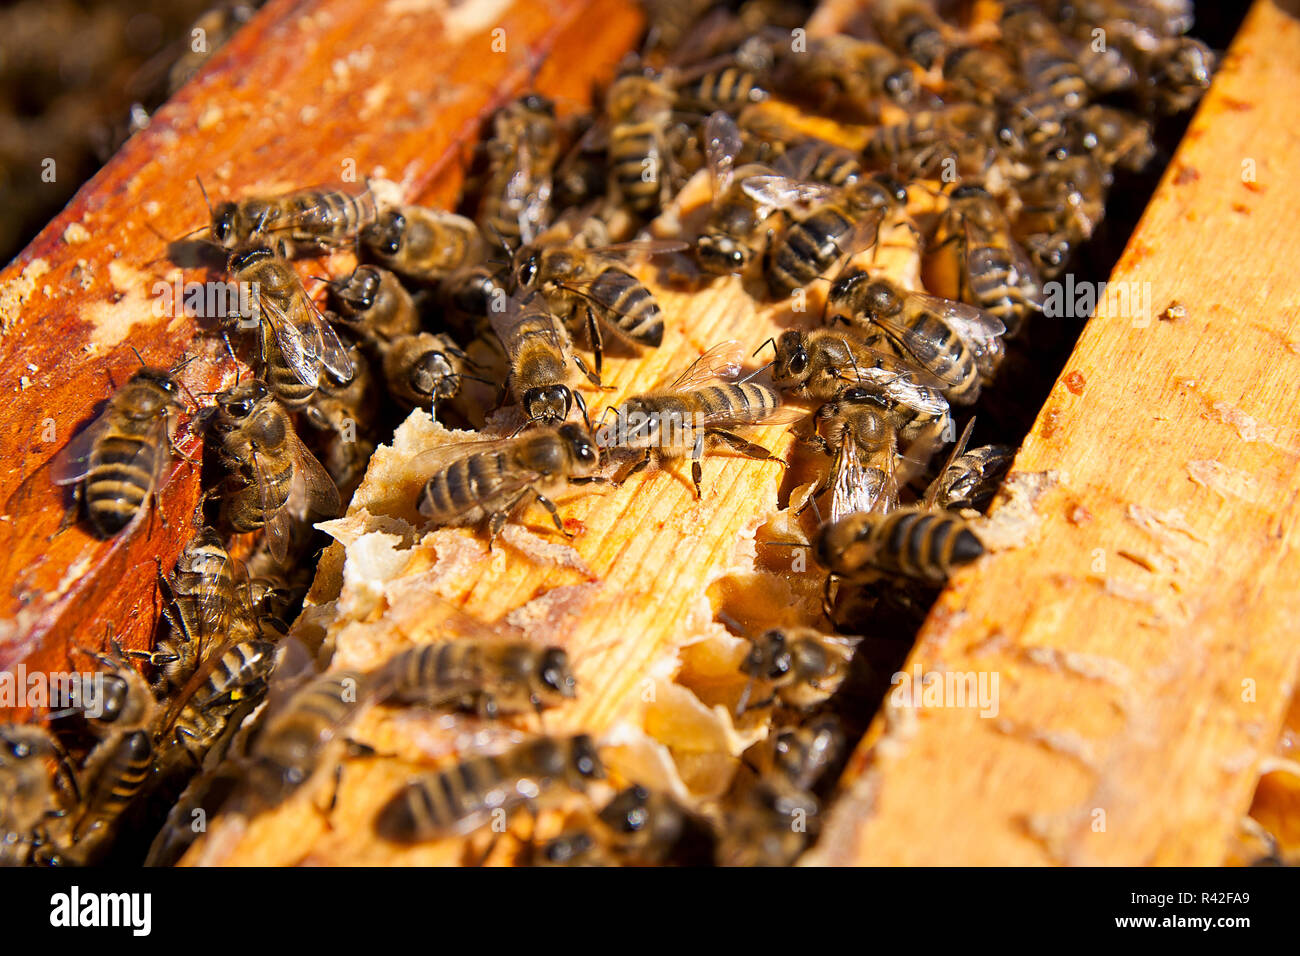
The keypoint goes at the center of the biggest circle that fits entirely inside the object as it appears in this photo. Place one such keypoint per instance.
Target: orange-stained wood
(311, 91)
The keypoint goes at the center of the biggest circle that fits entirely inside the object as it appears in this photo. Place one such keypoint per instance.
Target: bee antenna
(206, 201)
(582, 407)
(770, 341)
(732, 623)
(138, 356)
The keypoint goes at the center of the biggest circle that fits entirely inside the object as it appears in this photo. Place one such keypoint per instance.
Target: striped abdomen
(465, 485)
(291, 743)
(994, 283)
(740, 402)
(435, 673)
(328, 214)
(627, 306)
(889, 144)
(239, 674)
(808, 249)
(923, 545)
(729, 89)
(123, 469)
(636, 164)
(119, 773)
(936, 348)
(252, 506)
(450, 801)
(292, 392)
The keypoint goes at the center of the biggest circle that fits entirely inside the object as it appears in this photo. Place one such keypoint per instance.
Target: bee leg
(817, 491)
(639, 466)
(549, 505)
(597, 343)
(592, 377)
(69, 515)
(830, 591)
(746, 448)
(176, 450)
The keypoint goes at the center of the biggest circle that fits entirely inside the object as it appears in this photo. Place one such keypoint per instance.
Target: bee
(373, 302)
(1113, 138)
(425, 245)
(956, 343)
(288, 748)
(729, 88)
(424, 370)
(735, 233)
(876, 443)
(275, 479)
(639, 110)
(204, 591)
(913, 543)
(829, 224)
(819, 363)
(969, 479)
(297, 342)
(523, 150)
(236, 675)
(851, 73)
(800, 666)
(540, 352)
(638, 827)
(491, 670)
(1063, 203)
(471, 481)
(28, 795)
(1174, 74)
(911, 28)
(767, 823)
(980, 74)
(463, 797)
(575, 281)
(118, 461)
(802, 753)
(911, 145)
(973, 257)
(346, 414)
(303, 219)
(698, 409)
(1055, 84)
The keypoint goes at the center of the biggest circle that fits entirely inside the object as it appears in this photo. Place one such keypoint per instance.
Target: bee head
(22, 743)
(359, 291)
(585, 759)
(536, 103)
(770, 657)
(629, 811)
(239, 402)
(548, 403)
(791, 355)
(581, 445)
(530, 264)
(225, 219)
(720, 254)
(555, 675)
(432, 375)
(894, 189)
(384, 237)
(242, 259)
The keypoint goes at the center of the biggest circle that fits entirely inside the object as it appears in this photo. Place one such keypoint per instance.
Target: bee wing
(722, 144)
(979, 329)
(314, 491)
(71, 463)
(903, 387)
(299, 344)
(723, 362)
(435, 459)
(860, 486)
(781, 192)
(799, 161)
(980, 257)
(277, 520)
(932, 492)
(364, 199)
(640, 247)
(330, 350)
(527, 196)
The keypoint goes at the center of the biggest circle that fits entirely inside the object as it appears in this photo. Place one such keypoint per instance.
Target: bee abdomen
(121, 477)
(630, 307)
(926, 546)
(121, 777)
(636, 162)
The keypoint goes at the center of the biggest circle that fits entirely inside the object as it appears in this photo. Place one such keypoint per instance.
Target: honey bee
(303, 219)
(829, 224)
(735, 233)
(345, 414)
(472, 481)
(492, 670)
(912, 543)
(236, 675)
(911, 28)
(698, 409)
(1173, 74)
(911, 146)
(639, 110)
(849, 73)
(802, 753)
(575, 281)
(374, 303)
(969, 479)
(27, 792)
(463, 797)
(540, 353)
(1113, 137)
(974, 258)
(297, 342)
(767, 823)
(729, 88)
(288, 749)
(958, 344)
(522, 151)
(639, 827)
(276, 480)
(800, 666)
(424, 370)
(980, 74)
(117, 462)
(1055, 83)
(876, 444)
(1063, 203)
(425, 245)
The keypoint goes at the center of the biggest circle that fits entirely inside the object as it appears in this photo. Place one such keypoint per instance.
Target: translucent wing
(723, 362)
(276, 518)
(71, 463)
(433, 460)
(297, 340)
(862, 485)
(977, 328)
(791, 195)
(982, 258)
(800, 161)
(532, 314)
(932, 492)
(640, 247)
(310, 213)
(314, 492)
(330, 351)
(722, 144)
